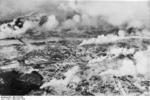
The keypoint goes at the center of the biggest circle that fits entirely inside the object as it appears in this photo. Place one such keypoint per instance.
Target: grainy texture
(77, 55)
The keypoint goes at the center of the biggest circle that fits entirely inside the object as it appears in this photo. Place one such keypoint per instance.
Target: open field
(62, 67)
(74, 48)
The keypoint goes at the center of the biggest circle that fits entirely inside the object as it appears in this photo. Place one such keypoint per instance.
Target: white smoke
(143, 64)
(13, 8)
(51, 23)
(133, 13)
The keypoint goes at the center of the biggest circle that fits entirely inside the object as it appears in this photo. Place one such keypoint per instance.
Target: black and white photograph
(74, 48)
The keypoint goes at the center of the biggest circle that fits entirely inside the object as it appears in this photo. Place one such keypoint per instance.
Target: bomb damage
(88, 48)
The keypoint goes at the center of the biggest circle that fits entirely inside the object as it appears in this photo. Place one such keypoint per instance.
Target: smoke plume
(118, 13)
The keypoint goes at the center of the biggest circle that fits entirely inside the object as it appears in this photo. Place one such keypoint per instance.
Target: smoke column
(117, 13)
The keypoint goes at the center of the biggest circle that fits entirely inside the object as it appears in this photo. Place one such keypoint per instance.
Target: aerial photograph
(74, 48)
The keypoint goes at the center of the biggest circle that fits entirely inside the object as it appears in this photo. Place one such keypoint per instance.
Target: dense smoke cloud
(134, 13)
(117, 13)
(13, 8)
